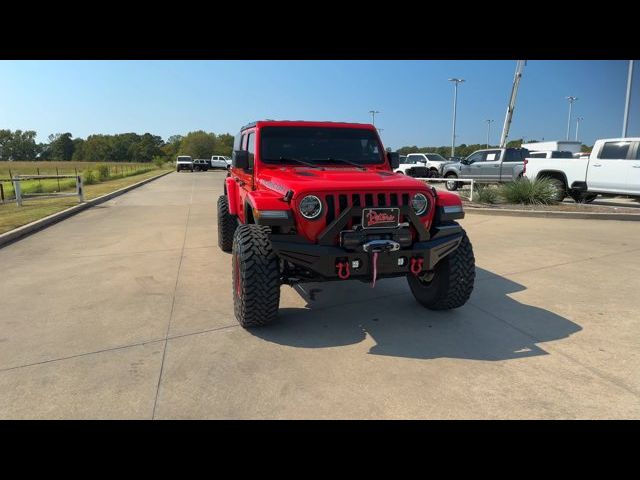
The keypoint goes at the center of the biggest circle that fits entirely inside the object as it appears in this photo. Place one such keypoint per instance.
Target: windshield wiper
(302, 162)
(331, 159)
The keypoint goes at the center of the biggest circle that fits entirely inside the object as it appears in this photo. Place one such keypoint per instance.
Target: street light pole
(455, 81)
(488, 130)
(628, 100)
(578, 120)
(571, 100)
(373, 116)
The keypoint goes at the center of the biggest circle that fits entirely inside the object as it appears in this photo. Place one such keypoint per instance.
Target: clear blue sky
(414, 97)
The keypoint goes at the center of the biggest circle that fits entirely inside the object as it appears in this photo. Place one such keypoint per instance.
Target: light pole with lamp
(488, 130)
(455, 81)
(373, 116)
(571, 100)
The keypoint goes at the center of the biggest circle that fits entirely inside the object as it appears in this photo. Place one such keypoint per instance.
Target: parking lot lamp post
(488, 130)
(455, 81)
(373, 116)
(571, 100)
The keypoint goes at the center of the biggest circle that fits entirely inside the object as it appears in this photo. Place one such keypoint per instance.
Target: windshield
(436, 158)
(320, 145)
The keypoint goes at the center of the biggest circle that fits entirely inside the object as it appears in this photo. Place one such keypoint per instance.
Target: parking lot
(125, 311)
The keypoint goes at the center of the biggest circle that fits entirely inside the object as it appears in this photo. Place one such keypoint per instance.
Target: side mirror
(394, 159)
(464, 161)
(240, 159)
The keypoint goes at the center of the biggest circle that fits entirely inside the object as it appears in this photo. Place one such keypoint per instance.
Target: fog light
(355, 264)
(402, 261)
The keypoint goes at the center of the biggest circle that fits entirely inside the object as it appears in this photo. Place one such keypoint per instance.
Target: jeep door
(612, 168)
(472, 166)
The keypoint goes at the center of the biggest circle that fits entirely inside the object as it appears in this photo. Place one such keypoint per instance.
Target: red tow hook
(343, 274)
(416, 265)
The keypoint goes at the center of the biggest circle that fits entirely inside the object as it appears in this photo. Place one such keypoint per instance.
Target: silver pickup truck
(492, 165)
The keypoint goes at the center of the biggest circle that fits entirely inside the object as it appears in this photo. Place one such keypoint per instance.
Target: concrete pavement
(125, 311)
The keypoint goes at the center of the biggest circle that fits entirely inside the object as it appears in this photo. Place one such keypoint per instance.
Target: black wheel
(583, 197)
(560, 188)
(433, 173)
(227, 225)
(256, 277)
(451, 284)
(451, 185)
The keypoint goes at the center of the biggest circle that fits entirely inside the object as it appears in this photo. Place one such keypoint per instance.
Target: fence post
(471, 194)
(57, 175)
(16, 188)
(1, 193)
(79, 188)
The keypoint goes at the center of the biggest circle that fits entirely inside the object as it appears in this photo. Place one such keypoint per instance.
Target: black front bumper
(322, 260)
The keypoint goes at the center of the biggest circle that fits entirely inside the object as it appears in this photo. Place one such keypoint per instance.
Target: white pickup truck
(613, 168)
(422, 165)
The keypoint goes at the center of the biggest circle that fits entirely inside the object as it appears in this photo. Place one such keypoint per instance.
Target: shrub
(485, 194)
(103, 173)
(159, 161)
(537, 192)
(89, 177)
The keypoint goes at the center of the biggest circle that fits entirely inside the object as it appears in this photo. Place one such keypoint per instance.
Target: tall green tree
(199, 144)
(60, 147)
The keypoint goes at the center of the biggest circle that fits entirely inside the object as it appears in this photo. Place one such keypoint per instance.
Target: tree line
(122, 147)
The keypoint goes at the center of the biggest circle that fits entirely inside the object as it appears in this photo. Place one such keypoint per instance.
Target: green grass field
(12, 216)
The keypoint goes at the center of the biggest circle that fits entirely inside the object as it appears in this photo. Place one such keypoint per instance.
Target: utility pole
(512, 102)
(488, 130)
(578, 120)
(455, 81)
(627, 103)
(373, 116)
(571, 100)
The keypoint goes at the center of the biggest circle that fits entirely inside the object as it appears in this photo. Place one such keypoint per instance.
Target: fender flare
(232, 195)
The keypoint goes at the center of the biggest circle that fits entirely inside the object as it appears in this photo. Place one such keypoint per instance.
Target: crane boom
(512, 103)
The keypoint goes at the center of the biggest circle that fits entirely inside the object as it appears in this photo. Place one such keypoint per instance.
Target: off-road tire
(227, 225)
(433, 173)
(454, 186)
(256, 277)
(561, 189)
(452, 283)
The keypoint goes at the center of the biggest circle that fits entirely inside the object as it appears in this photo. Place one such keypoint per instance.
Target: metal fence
(20, 196)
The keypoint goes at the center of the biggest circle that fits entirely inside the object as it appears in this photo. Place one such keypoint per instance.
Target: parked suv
(318, 201)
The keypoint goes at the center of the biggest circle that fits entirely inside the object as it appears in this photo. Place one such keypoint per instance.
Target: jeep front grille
(382, 199)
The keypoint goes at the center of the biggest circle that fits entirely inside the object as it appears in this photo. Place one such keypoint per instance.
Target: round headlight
(419, 203)
(310, 207)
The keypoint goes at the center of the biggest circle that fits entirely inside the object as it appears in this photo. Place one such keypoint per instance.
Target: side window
(493, 156)
(638, 151)
(251, 147)
(538, 155)
(614, 151)
(411, 159)
(236, 141)
(244, 142)
(476, 157)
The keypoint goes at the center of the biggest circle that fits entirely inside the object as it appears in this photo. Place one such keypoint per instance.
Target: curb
(551, 214)
(29, 228)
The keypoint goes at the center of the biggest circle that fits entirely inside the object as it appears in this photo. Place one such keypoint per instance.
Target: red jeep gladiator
(318, 201)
